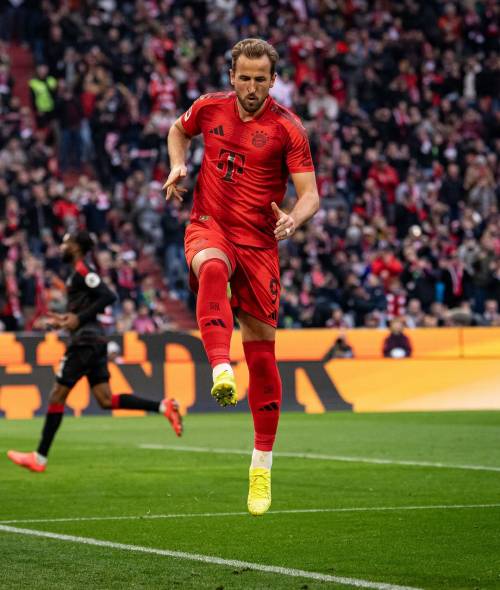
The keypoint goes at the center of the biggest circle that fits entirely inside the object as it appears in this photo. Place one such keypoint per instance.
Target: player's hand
(69, 321)
(177, 174)
(53, 320)
(285, 224)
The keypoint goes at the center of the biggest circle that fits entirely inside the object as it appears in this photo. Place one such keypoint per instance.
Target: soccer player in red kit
(252, 145)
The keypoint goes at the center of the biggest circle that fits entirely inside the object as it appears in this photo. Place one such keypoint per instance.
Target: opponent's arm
(306, 206)
(103, 296)
(178, 144)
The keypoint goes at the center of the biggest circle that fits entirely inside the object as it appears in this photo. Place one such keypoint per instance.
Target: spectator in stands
(397, 345)
(126, 318)
(43, 95)
(386, 266)
(452, 190)
(143, 323)
(414, 317)
(338, 319)
(10, 304)
(462, 316)
(401, 112)
(491, 314)
(173, 223)
(69, 113)
(341, 349)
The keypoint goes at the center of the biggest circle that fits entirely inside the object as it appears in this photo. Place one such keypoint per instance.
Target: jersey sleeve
(102, 294)
(298, 152)
(190, 120)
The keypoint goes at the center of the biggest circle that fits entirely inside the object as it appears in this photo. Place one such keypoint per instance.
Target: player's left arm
(305, 207)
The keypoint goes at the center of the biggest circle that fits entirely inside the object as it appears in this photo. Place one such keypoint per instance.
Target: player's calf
(264, 399)
(168, 407)
(215, 319)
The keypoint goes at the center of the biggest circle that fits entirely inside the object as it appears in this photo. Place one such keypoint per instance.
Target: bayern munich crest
(259, 139)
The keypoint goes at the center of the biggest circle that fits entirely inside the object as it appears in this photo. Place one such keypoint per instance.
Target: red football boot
(173, 415)
(27, 460)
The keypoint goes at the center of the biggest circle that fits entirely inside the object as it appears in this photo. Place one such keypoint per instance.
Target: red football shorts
(255, 280)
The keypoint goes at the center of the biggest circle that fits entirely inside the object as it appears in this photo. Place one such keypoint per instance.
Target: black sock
(53, 420)
(125, 401)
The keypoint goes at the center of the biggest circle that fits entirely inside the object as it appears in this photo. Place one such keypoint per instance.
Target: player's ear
(273, 80)
(231, 76)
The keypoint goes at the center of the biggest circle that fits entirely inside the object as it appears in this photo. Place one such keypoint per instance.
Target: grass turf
(98, 469)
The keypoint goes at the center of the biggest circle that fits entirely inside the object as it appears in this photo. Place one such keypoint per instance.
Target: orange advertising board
(451, 368)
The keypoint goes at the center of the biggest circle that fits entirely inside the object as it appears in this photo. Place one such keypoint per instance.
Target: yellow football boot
(259, 491)
(224, 389)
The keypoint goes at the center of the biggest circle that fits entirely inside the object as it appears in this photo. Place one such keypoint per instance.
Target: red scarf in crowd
(456, 273)
(12, 292)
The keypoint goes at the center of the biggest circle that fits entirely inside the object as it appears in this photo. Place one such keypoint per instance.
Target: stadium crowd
(400, 101)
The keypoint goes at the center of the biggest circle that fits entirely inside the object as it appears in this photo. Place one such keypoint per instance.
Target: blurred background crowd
(401, 103)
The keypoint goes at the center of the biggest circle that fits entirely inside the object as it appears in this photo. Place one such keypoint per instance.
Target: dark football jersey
(88, 295)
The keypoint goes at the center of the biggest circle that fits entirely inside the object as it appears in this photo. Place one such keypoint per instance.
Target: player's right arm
(179, 138)
(178, 144)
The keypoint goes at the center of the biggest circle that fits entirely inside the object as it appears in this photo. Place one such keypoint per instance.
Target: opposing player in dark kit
(86, 354)
(252, 144)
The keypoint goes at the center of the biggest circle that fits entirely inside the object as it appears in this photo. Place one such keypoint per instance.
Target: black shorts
(84, 360)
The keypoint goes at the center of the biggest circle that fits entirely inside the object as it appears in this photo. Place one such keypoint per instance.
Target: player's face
(252, 80)
(68, 249)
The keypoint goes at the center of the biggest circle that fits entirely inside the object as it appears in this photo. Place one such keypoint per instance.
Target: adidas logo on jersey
(217, 130)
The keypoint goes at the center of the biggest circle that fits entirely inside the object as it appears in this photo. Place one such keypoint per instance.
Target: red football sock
(213, 310)
(264, 392)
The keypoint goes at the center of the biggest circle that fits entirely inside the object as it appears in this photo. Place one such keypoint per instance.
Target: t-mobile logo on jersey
(230, 162)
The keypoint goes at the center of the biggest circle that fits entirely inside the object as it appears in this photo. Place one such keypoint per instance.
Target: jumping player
(252, 144)
(86, 353)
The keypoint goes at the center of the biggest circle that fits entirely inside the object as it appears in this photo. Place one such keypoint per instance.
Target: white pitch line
(287, 511)
(212, 560)
(320, 457)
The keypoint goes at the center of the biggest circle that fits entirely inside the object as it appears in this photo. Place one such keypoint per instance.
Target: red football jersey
(245, 165)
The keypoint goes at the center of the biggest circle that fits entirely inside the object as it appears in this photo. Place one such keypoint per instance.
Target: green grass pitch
(98, 469)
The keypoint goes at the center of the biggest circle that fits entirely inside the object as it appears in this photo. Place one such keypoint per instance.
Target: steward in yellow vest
(43, 87)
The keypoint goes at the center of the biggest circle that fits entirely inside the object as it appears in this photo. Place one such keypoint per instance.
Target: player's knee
(213, 270)
(102, 394)
(104, 402)
(58, 394)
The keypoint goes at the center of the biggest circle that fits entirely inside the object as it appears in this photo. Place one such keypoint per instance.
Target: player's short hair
(253, 49)
(84, 241)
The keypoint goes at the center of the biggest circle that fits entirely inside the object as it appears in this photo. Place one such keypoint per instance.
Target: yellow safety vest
(44, 100)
